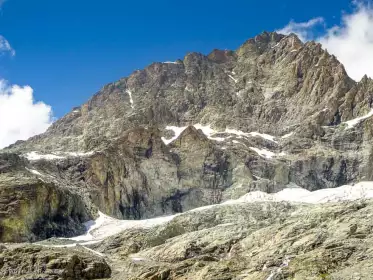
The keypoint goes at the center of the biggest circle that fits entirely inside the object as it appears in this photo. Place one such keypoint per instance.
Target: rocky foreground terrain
(183, 159)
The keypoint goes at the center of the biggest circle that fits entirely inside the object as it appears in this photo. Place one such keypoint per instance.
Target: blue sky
(67, 50)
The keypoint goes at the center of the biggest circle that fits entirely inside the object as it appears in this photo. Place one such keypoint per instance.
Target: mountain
(275, 114)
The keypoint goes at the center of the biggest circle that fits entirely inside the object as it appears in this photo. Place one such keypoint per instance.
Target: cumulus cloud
(20, 116)
(351, 41)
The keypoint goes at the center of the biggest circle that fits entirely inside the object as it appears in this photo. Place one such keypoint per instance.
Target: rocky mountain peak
(272, 81)
(221, 56)
(192, 135)
(204, 158)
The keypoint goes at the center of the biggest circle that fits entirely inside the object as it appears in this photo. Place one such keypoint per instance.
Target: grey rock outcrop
(34, 262)
(250, 241)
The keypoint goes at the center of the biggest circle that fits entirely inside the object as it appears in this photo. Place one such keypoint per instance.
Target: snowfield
(362, 190)
(209, 132)
(105, 226)
(352, 123)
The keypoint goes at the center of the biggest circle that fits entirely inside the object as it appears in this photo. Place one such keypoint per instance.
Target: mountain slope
(276, 113)
(274, 82)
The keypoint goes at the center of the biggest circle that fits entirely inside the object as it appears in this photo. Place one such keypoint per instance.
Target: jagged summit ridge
(272, 81)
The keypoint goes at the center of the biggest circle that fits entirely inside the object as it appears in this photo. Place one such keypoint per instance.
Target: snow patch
(352, 123)
(270, 92)
(94, 252)
(137, 259)
(80, 154)
(33, 156)
(267, 154)
(218, 139)
(209, 132)
(276, 45)
(105, 226)
(254, 134)
(170, 62)
(177, 131)
(265, 136)
(263, 153)
(287, 135)
(235, 80)
(33, 171)
(362, 190)
(131, 100)
(206, 129)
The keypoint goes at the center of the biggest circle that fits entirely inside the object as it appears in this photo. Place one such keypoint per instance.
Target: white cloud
(351, 41)
(302, 29)
(20, 116)
(5, 47)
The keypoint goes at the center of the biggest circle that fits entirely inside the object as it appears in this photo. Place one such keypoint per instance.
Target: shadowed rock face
(32, 209)
(138, 177)
(112, 157)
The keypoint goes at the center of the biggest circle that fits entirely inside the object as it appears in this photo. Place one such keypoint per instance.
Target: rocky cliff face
(32, 208)
(202, 130)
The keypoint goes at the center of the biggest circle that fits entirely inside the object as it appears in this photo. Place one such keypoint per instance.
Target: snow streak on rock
(131, 100)
(209, 132)
(35, 156)
(352, 123)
